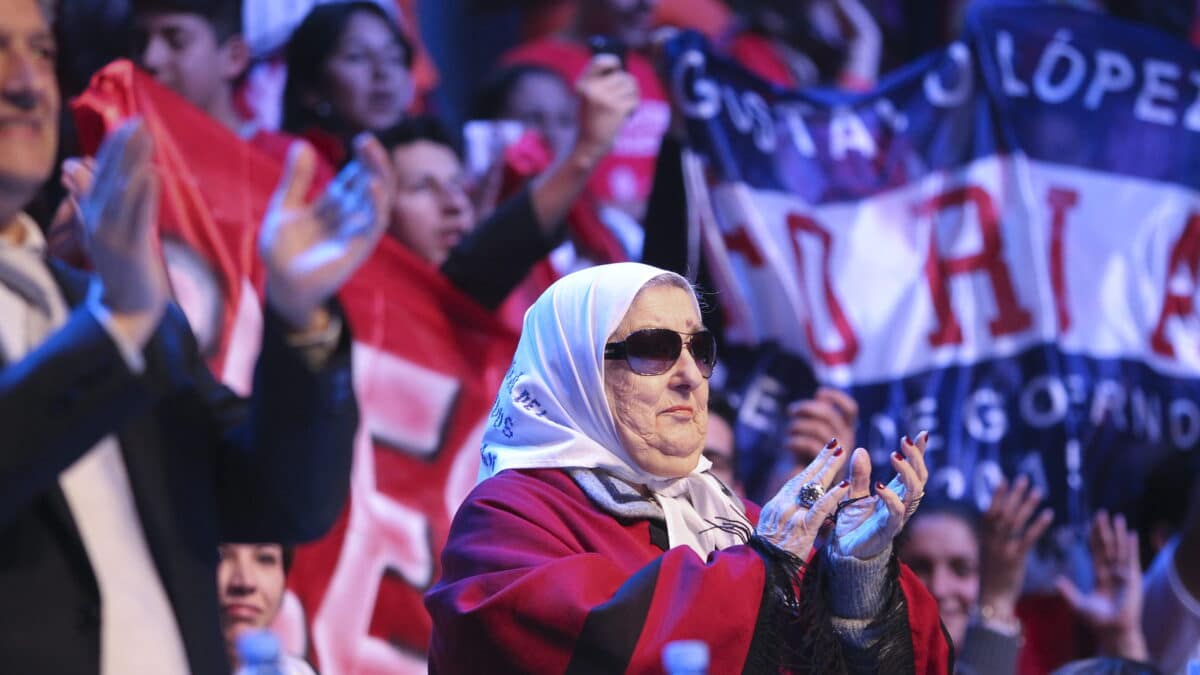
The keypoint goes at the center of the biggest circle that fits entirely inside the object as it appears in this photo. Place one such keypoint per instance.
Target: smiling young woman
(250, 584)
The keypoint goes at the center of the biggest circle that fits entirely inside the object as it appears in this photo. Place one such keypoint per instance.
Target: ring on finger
(809, 493)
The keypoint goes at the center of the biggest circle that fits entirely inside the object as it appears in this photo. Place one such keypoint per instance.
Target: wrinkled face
(943, 552)
(627, 20)
(660, 419)
(250, 581)
(431, 212)
(29, 102)
(368, 85)
(182, 52)
(542, 102)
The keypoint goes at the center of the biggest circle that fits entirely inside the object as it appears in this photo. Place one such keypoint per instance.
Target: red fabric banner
(427, 364)
(215, 189)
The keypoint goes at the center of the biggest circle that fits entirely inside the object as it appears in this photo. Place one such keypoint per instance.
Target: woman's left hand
(868, 524)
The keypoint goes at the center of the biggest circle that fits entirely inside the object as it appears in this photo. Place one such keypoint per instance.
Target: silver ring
(809, 494)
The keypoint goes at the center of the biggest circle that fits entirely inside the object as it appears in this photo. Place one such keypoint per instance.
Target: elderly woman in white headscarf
(597, 535)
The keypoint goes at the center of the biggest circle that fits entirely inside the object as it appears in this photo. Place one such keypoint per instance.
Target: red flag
(428, 362)
(215, 189)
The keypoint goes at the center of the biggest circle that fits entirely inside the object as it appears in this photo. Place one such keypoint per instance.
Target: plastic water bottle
(259, 653)
(685, 657)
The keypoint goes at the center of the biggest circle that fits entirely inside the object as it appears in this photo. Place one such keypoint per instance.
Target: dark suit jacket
(204, 466)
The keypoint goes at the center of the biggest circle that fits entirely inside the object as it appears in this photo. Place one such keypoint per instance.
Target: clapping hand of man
(118, 211)
(310, 249)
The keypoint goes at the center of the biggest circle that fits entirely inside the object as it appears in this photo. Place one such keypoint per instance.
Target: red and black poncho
(536, 578)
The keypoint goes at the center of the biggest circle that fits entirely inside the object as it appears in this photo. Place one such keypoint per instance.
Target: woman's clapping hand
(788, 520)
(868, 524)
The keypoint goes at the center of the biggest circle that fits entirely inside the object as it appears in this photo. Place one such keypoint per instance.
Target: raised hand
(864, 42)
(309, 250)
(830, 413)
(608, 95)
(1113, 608)
(1009, 531)
(119, 210)
(789, 521)
(866, 527)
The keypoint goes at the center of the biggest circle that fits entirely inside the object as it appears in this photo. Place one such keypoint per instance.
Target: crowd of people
(150, 514)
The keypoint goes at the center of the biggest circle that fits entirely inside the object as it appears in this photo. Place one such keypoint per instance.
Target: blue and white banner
(1000, 244)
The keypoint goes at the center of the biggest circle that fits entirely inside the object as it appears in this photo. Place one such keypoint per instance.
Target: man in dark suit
(123, 462)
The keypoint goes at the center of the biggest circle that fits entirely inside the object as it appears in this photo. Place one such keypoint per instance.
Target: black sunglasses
(652, 351)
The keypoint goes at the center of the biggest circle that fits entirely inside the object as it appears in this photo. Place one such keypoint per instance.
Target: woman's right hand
(1010, 529)
(793, 527)
(608, 95)
(867, 525)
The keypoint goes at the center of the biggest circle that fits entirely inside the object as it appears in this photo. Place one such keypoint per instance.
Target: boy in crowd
(195, 48)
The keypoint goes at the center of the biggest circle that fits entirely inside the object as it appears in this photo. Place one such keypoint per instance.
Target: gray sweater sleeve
(857, 593)
(987, 652)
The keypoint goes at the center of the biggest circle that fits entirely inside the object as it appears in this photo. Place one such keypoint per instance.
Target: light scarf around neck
(552, 412)
(23, 270)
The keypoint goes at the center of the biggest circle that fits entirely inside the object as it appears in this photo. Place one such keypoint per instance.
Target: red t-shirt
(627, 173)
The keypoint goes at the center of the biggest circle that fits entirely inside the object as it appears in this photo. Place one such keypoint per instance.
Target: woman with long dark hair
(349, 71)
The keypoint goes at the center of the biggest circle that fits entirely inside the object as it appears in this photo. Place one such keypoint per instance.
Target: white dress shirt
(138, 630)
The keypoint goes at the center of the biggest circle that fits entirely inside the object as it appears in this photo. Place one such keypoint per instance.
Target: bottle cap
(685, 656)
(258, 647)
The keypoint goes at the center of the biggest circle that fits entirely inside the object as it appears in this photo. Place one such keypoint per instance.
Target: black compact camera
(604, 44)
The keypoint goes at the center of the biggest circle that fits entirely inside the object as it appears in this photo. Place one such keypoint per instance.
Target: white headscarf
(552, 411)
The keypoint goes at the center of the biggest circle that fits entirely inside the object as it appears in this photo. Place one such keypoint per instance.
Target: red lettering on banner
(1011, 317)
(796, 224)
(1185, 259)
(739, 241)
(1061, 200)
